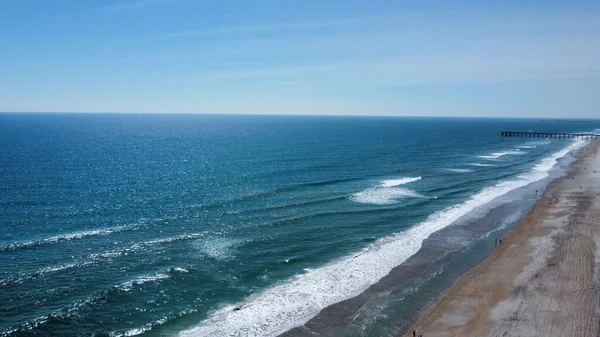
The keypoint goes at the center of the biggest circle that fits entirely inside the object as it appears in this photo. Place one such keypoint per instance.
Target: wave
(27, 276)
(459, 170)
(292, 205)
(68, 313)
(140, 246)
(496, 155)
(64, 237)
(297, 300)
(179, 270)
(540, 142)
(482, 165)
(128, 285)
(153, 324)
(141, 330)
(182, 237)
(316, 215)
(527, 146)
(269, 192)
(398, 182)
(383, 196)
(387, 192)
(458, 186)
(96, 258)
(67, 318)
(29, 325)
(511, 219)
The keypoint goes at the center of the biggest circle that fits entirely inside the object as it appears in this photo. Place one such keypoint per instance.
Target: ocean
(207, 225)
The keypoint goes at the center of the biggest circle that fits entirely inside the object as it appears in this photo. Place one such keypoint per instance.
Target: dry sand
(543, 279)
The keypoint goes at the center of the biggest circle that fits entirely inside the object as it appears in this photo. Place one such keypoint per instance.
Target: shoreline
(542, 279)
(439, 262)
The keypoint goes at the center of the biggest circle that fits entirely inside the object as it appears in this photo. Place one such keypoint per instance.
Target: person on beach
(414, 333)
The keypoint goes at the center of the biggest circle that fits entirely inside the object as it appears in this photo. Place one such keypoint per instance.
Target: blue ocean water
(200, 225)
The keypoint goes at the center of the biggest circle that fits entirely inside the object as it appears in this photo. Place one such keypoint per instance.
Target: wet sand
(543, 279)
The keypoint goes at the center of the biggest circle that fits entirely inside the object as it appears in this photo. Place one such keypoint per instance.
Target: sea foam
(398, 182)
(387, 192)
(459, 170)
(481, 165)
(128, 285)
(295, 301)
(496, 155)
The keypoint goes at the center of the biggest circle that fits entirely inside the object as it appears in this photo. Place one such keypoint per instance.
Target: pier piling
(560, 135)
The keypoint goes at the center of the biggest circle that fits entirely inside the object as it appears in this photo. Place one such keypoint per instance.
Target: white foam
(151, 325)
(180, 270)
(481, 165)
(54, 269)
(527, 146)
(141, 330)
(128, 285)
(459, 170)
(398, 182)
(300, 298)
(387, 192)
(496, 155)
(383, 196)
(192, 236)
(219, 248)
(540, 142)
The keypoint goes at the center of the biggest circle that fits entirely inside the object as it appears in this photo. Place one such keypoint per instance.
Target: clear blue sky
(436, 58)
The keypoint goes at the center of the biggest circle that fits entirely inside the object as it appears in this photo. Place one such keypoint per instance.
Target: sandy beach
(542, 279)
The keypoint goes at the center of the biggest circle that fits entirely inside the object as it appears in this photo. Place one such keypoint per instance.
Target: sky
(341, 57)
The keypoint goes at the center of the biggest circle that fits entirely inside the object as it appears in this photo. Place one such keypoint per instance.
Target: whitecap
(496, 155)
(459, 170)
(182, 237)
(128, 285)
(383, 196)
(387, 192)
(541, 142)
(398, 182)
(180, 270)
(141, 330)
(482, 165)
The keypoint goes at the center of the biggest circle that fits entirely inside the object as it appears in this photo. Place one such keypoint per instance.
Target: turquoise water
(206, 225)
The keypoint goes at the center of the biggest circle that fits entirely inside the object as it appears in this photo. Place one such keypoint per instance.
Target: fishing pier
(549, 135)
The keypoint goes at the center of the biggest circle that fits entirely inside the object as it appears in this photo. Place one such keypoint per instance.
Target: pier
(549, 135)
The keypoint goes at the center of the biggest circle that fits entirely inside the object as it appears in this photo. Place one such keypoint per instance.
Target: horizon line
(291, 115)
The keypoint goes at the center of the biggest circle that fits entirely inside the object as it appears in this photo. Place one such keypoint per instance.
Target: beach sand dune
(543, 279)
